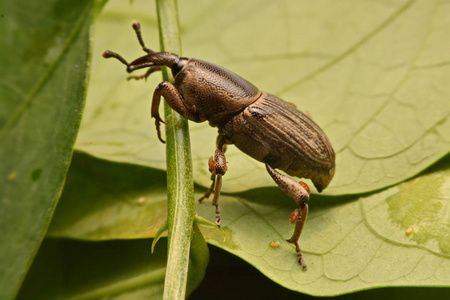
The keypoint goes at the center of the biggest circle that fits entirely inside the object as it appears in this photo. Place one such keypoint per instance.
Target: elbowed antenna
(137, 28)
(108, 54)
(133, 66)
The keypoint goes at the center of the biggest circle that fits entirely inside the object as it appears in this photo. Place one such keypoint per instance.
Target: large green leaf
(374, 76)
(357, 244)
(109, 270)
(123, 270)
(106, 201)
(45, 53)
(101, 200)
(350, 243)
(362, 69)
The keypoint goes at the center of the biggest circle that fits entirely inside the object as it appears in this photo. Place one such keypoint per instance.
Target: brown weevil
(260, 124)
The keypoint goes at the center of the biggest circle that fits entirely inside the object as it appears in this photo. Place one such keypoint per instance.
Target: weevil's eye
(178, 66)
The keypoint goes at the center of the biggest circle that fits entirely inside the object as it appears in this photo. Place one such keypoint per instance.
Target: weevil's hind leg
(218, 168)
(299, 191)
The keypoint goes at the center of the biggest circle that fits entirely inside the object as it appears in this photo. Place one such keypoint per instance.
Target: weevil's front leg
(175, 101)
(218, 168)
(145, 76)
(299, 191)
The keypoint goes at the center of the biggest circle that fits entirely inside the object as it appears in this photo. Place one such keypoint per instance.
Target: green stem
(180, 184)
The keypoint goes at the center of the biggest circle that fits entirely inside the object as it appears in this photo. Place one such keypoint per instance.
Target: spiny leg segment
(299, 191)
(218, 168)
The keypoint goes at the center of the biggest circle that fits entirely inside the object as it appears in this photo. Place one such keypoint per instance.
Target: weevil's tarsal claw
(158, 122)
(300, 257)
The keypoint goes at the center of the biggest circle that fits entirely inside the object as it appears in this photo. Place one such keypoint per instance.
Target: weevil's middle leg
(218, 168)
(299, 191)
(211, 165)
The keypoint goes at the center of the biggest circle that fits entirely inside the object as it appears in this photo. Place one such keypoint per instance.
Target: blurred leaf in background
(45, 51)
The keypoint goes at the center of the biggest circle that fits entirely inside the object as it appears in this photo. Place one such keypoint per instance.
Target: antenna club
(107, 54)
(136, 26)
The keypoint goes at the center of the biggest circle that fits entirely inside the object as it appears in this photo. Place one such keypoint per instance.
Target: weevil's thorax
(214, 93)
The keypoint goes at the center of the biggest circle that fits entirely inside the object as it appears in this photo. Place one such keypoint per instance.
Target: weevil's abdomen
(274, 131)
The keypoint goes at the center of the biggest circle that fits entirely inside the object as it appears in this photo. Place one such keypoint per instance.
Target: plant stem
(180, 184)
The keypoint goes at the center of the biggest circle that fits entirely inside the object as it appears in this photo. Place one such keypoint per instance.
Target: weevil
(260, 124)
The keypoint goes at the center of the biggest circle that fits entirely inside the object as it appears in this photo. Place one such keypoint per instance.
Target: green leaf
(108, 270)
(104, 201)
(237, 278)
(45, 54)
(349, 243)
(363, 77)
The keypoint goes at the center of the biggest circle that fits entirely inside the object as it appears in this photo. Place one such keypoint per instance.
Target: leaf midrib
(18, 113)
